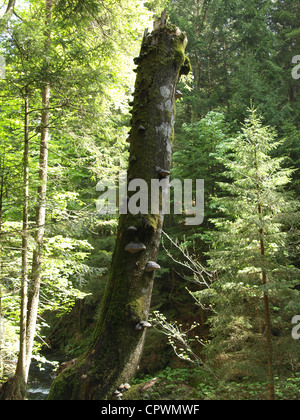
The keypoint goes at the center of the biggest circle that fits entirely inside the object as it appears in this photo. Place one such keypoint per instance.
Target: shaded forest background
(241, 55)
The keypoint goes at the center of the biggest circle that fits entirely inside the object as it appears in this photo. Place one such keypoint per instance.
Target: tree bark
(9, 9)
(7, 14)
(35, 281)
(117, 344)
(36, 274)
(15, 387)
(1, 333)
(21, 366)
(1, 206)
(269, 350)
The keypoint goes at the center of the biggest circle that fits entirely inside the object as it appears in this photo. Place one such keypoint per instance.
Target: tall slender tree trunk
(36, 273)
(1, 334)
(21, 366)
(15, 387)
(269, 350)
(2, 184)
(35, 281)
(118, 340)
(12, 389)
(1, 320)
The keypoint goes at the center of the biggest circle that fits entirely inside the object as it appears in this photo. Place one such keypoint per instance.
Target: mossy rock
(137, 392)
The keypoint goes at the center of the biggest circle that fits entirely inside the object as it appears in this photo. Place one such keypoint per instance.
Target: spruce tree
(254, 297)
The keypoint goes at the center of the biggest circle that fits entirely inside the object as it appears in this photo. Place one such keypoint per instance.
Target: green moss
(171, 28)
(154, 221)
(186, 68)
(133, 394)
(136, 392)
(179, 56)
(136, 308)
(62, 386)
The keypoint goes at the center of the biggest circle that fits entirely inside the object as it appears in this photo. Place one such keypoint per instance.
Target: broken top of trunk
(162, 23)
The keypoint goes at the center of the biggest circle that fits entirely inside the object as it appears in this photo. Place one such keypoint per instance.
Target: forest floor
(177, 379)
(190, 384)
(185, 383)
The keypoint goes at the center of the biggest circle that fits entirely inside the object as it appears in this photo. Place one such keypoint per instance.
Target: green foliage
(240, 52)
(196, 159)
(254, 211)
(252, 207)
(79, 55)
(177, 338)
(286, 389)
(9, 348)
(186, 383)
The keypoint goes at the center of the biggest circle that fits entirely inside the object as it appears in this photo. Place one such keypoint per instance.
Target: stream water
(40, 378)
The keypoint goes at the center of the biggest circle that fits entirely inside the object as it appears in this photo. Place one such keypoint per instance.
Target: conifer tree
(62, 77)
(253, 298)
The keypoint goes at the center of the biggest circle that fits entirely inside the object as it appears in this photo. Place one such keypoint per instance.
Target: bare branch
(201, 275)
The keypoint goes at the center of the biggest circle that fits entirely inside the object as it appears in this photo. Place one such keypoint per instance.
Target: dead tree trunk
(119, 336)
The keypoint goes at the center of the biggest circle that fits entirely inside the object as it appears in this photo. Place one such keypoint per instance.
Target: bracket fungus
(143, 324)
(118, 394)
(124, 387)
(132, 229)
(137, 60)
(135, 247)
(141, 129)
(151, 266)
(163, 172)
(178, 94)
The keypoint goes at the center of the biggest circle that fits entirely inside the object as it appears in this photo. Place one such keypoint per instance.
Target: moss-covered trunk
(117, 345)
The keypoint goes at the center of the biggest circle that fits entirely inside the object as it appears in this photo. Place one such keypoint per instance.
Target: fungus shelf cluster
(136, 247)
(120, 391)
